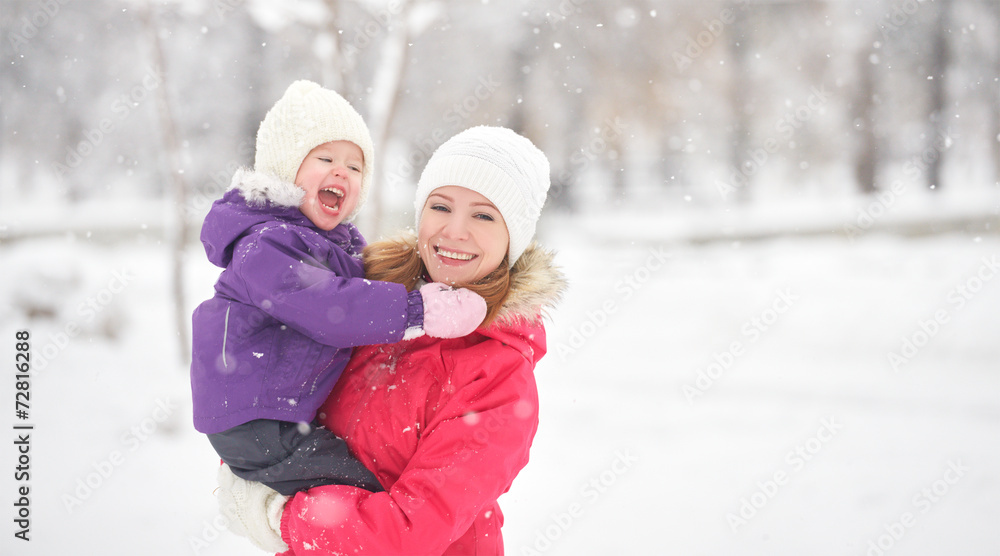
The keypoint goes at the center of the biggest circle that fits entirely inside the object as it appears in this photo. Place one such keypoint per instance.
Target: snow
(804, 436)
(621, 443)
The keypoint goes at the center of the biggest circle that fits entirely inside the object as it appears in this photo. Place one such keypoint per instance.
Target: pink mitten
(451, 313)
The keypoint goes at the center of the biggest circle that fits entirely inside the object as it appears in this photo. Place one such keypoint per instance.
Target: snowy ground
(729, 398)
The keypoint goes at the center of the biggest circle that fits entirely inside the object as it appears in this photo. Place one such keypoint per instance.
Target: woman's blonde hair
(397, 260)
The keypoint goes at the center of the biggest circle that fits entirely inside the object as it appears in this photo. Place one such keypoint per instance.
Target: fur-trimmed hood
(255, 199)
(259, 189)
(537, 286)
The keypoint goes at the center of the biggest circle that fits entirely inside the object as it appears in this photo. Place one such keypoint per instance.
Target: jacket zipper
(225, 336)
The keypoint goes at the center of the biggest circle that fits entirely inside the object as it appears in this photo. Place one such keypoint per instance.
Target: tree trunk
(995, 104)
(335, 74)
(940, 60)
(387, 90)
(519, 79)
(863, 121)
(616, 155)
(178, 231)
(738, 84)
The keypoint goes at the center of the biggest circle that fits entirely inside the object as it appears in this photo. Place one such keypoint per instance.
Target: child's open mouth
(331, 197)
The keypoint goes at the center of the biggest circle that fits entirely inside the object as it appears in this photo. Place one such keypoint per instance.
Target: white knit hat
(502, 166)
(305, 117)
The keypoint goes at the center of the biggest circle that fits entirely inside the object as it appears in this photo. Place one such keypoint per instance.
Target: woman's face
(462, 236)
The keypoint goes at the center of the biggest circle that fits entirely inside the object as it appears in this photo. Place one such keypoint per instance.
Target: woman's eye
(486, 217)
(440, 208)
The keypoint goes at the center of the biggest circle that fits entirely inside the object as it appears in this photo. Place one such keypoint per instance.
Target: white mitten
(254, 510)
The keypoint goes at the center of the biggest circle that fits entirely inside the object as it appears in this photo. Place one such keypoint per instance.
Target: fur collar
(259, 188)
(537, 285)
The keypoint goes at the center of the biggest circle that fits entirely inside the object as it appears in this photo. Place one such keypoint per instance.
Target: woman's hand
(449, 312)
(254, 510)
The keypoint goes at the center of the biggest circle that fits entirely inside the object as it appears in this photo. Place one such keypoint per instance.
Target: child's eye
(355, 168)
(327, 160)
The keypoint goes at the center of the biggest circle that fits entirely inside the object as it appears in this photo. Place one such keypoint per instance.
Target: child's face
(331, 177)
(462, 236)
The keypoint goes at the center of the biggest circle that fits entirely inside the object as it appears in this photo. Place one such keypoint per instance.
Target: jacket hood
(255, 198)
(260, 188)
(537, 286)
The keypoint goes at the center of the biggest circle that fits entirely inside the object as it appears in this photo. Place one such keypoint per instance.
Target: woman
(445, 425)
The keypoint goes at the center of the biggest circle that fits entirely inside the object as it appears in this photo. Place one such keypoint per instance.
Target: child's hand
(451, 313)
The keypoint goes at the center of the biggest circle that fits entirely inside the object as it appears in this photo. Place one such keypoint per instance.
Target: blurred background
(779, 219)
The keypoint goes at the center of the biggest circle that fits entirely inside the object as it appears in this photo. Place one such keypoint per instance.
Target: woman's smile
(453, 257)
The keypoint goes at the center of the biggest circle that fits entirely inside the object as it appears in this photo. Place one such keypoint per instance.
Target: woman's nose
(455, 228)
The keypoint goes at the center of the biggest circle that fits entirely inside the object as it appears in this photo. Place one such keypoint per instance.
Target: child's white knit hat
(502, 166)
(307, 116)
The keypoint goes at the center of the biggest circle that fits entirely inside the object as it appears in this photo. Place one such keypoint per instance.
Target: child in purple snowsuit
(292, 300)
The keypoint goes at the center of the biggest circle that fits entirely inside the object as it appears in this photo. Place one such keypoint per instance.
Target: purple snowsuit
(288, 308)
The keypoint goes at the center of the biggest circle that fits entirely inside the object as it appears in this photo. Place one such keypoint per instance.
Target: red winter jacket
(445, 425)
